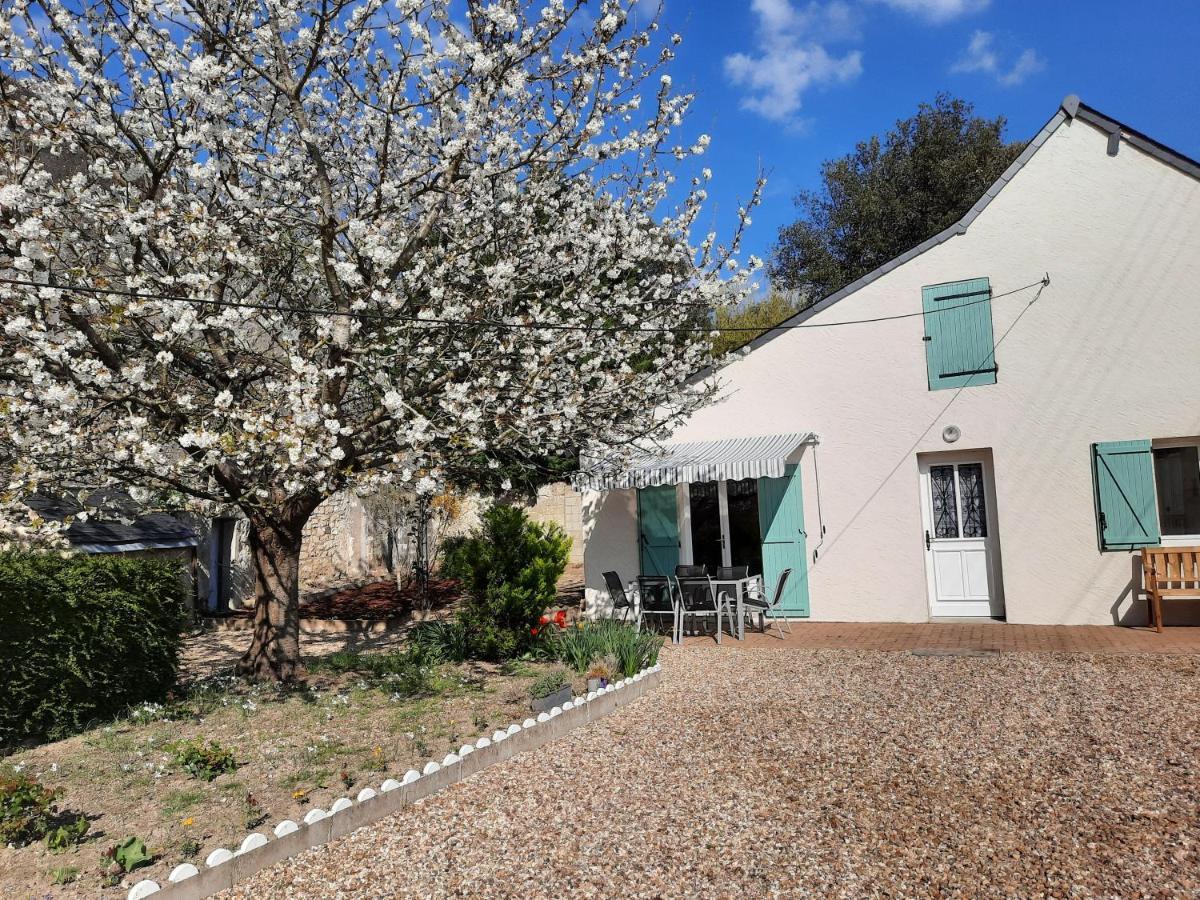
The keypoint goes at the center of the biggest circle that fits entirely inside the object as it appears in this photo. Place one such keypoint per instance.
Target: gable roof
(1070, 108)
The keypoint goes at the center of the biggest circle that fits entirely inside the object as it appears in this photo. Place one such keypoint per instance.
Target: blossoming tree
(257, 253)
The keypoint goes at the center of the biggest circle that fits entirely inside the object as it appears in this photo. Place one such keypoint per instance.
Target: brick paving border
(989, 635)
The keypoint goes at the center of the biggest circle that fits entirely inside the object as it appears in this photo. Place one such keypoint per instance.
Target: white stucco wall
(1110, 351)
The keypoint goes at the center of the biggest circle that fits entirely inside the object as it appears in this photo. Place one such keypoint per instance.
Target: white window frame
(1171, 540)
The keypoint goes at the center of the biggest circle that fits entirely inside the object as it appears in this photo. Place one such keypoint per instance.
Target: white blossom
(376, 261)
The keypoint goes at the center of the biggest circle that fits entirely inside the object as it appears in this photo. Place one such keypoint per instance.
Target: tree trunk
(274, 652)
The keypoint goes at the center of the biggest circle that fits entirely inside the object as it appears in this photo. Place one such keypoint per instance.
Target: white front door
(958, 502)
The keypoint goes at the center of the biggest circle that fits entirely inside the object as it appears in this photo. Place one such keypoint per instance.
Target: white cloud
(981, 56)
(791, 56)
(937, 10)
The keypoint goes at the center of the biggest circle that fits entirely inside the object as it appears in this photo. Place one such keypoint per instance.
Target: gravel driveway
(828, 773)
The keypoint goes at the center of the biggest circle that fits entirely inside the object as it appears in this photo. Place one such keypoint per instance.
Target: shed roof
(152, 531)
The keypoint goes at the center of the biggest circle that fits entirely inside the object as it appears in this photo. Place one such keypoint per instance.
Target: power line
(533, 326)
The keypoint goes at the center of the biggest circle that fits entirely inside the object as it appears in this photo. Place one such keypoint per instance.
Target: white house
(1009, 411)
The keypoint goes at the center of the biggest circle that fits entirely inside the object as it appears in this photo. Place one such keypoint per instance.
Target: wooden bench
(1169, 572)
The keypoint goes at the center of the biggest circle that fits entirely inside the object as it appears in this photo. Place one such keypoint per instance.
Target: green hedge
(84, 637)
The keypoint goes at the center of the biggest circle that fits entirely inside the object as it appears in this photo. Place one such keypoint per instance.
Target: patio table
(741, 586)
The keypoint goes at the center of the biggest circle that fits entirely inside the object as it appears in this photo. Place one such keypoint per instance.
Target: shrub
(82, 638)
(509, 569)
(204, 760)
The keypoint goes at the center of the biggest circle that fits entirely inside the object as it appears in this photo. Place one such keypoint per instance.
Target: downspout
(815, 440)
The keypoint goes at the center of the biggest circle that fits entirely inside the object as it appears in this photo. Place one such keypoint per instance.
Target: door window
(958, 501)
(705, 507)
(745, 540)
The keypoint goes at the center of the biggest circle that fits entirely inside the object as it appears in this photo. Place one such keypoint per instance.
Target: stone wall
(559, 504)
(338, 545)
(344, 542)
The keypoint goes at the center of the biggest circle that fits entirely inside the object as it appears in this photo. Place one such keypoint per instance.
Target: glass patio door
(708, 537)
(745, 538)
(724, 524)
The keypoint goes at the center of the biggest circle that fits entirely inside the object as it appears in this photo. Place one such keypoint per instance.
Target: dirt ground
(295, 750)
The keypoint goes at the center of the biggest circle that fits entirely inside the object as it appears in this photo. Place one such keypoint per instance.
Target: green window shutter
(781, 523)
(658, 530)
(959, 351)
(1126, 502)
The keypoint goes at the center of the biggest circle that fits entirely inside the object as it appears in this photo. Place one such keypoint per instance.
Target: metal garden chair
(762, 606)
(699, 599)
(616, 593)
(657, 599)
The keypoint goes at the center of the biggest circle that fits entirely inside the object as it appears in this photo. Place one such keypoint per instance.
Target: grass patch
(181, 801)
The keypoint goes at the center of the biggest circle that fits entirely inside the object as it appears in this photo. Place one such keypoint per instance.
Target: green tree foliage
(83, 638)
(891, 193)
(509, 569)
(760, 316)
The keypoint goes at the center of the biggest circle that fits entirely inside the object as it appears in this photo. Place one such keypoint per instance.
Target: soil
(295, 750)
(380, 600)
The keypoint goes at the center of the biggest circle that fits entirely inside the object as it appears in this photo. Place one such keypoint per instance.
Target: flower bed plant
(29, 812)
(626, 649)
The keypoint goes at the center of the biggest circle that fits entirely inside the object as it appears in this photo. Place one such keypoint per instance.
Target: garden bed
(358, 720)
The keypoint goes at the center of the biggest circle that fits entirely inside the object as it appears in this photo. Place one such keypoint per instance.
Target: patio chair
(682, 571)
(762, 605)
(733, 573)
(698, 598)
(616, 593)
(657, 599)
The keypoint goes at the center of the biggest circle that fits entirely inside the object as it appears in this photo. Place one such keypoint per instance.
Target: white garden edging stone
(223, 868)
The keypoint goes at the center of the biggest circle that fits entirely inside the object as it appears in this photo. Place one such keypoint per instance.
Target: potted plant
(549, 691)
(599, 675)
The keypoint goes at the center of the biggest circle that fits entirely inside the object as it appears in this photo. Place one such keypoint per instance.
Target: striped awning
(731, 458)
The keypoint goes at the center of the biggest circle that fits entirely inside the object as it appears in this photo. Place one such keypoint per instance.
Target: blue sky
(786, 84)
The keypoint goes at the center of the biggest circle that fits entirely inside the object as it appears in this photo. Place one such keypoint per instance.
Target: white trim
(723, 515)
(1170, 540)
(683, 518)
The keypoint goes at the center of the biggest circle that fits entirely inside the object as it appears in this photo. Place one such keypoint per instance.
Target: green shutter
(781, 523)
(959, 351)
(1126, 502)
(658, 530)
